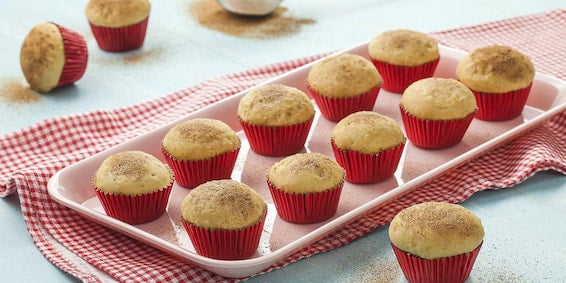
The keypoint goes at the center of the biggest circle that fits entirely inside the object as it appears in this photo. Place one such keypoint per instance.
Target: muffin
(368, 146)
(402, 57)
(276, 119)
(118, 25)
(437, 112)
(133, 186)
(501, 79)
(200, 150)
(343, 84)
(306, 187)
(52, 56)
(436, 241)
(224, 219)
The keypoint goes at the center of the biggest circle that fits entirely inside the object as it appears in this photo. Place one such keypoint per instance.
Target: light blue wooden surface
(524, 224)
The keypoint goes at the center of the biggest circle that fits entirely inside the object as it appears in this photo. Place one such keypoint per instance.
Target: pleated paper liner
(454, 269)
(225, 244)
(119, 39)
(501, 106)
(135, 209)
(191, 173)
(336, 108)
(363, 168)
(277, 140)
(435, 134)
(397, 78)
(305, 208)
(76, 56)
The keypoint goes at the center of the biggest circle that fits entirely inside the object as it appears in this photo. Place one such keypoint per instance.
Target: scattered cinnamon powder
(15, 92)
(209, 14)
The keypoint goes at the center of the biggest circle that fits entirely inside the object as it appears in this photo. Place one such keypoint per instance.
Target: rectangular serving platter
(71, 186)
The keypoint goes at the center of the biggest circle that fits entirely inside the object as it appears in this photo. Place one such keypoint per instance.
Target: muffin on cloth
(500, 77)
(437, 112)
(224, 219)
(436, 241)
(52, 56)
(306, 187)
(200, 150)
(118, 25)
(276, 119)
(368, 145)
(133, 186)
(343, 84)
(402, 57)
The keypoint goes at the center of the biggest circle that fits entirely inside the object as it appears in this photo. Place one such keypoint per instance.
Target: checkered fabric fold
(94, 253)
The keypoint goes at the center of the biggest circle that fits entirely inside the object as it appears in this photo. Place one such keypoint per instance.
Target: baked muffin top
(275, 105)
(42, 57)
(438, 99)
(367, 132)
(403, 47)
(223, 204)
(117, 13)
(200, 138)
(495, 69)
(435, 230)
(132, 173)
(306, 173)
(343, 75)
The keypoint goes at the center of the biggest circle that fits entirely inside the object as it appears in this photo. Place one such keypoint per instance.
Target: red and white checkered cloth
(94, 253)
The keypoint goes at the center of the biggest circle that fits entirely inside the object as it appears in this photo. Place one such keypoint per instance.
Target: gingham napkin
(93, 253)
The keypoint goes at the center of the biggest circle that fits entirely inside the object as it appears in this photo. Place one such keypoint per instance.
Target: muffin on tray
(224, 219)
(436, 241)
(200, 150)
(402, 57)
(276, 119)
(500, 77)
(306, 187)
(368, 145)
(52, 56)
(118, 25)
(343, 84)
(437, 112)
(133, 186)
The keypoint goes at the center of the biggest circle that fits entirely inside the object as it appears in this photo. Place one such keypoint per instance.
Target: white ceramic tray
(71, 186)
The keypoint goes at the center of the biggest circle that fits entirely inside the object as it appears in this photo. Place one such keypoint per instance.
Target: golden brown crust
(132, 173)
(275, 105)
(367, 132)
(117, 13)
(436, 230)
(495, 69)
(305, 173)
(223, 204)
(344, 75)
(403, 47)
(200, 138)
(42, 57)
(438, 99)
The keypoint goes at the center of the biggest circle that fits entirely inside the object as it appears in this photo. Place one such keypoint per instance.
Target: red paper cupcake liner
(363, 168)
(397, 78)
(305, 208)
(336, 108)
(191, 173)
(136, 209)
(76, 56)
(277, 141)
(119, 39)
(434, 134)
(225, 244)
(501, 106)
(452, 269)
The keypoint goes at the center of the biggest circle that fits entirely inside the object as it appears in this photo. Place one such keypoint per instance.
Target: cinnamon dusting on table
(209, 14)
(15, 92)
